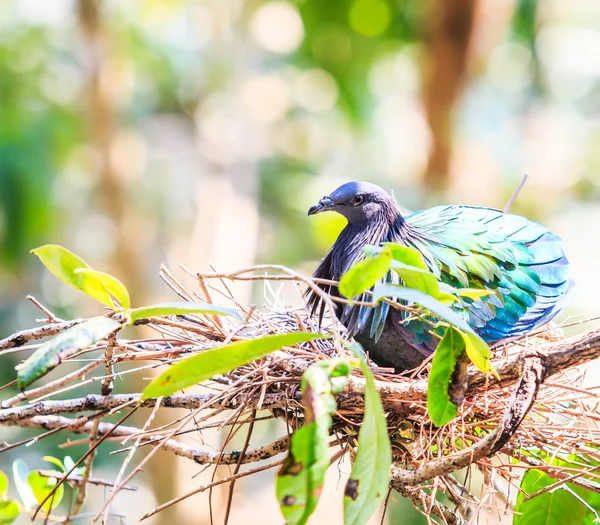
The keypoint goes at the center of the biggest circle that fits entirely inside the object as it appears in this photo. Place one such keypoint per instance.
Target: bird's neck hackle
(349, 246)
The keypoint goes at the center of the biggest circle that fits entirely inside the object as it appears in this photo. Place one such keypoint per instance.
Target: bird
(519, 263)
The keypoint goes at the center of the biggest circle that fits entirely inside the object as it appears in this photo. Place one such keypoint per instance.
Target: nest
(538, 410)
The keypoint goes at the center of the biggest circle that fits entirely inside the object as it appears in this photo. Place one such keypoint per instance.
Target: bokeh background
(200, 131)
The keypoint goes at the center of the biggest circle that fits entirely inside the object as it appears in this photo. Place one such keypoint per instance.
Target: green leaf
(20, 474)
(9, 512)
(422, 280)
(55, 461)
(219, 360)
(53, 352)
(95, 280)
(3, 484)
(42, 486)
(479, 352)
(415, 296)
(368, 483)
(407, 255)
(439, 406)
(157, 310)
(364, 274)
(558, 507)
(300, 479)
(593, 500)
(63, 263)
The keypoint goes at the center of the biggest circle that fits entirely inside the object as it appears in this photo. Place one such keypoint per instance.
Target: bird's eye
(358, 200)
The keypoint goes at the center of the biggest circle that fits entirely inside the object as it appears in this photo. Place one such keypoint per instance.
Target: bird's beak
(324, 204)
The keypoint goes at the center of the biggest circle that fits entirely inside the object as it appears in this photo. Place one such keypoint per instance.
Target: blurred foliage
(194, 63)
(347, 37)
(36, 135)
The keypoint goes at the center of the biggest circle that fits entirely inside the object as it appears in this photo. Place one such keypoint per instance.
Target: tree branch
(202, 457)
(553, 358)
(47, 330)
(520, 404)
(527, 370)
(96, 402)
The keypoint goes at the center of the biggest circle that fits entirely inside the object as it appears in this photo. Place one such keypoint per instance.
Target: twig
(20, 338)
(96, 402)
(77, 479)
(77, 463)
(215, 318)
(238, 465)
(459, 495)
(278, 268)
(228, 479)
(174, 284)
(82, 425)
(558, 472)
(52, 385)
(203, 488)
(51, 318)
(107, 382)
(385, 506)
(515, 194)
(4, 447)
(87, 515)
(151, 454)
(87, 471)
(129, 456)
(105, 390)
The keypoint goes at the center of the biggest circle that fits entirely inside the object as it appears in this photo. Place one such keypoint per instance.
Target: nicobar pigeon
(519, 261)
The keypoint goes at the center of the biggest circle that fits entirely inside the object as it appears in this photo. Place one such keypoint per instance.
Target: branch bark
(14, 415)
(200, 456)
(554, 358)
(47, 330)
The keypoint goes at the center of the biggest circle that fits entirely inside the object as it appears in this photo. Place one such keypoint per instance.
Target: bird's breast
(349, 247)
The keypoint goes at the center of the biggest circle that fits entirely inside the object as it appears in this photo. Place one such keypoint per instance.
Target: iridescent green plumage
(518, 260)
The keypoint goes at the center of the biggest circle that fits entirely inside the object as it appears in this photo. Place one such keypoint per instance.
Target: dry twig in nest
(538, 409)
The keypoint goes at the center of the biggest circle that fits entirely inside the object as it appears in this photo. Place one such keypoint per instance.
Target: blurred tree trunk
(448, 42)
(103, 90)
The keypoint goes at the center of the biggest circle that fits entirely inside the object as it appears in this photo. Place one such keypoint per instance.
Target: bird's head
(358, 202)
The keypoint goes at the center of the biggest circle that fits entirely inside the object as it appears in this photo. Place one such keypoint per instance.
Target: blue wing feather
(485, 248)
